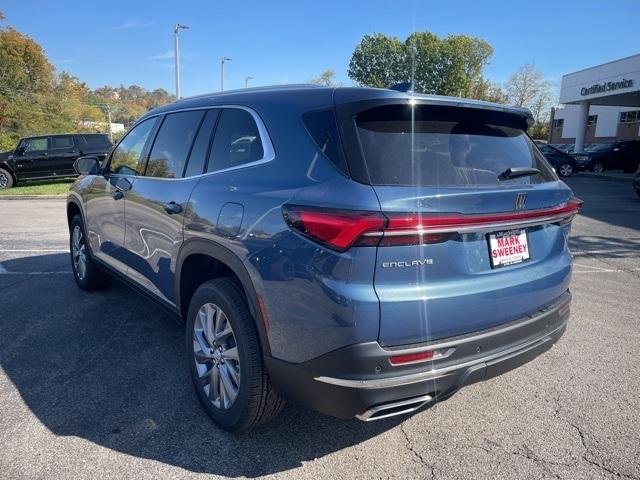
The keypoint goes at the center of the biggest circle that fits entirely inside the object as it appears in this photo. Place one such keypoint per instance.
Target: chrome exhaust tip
(392, 409)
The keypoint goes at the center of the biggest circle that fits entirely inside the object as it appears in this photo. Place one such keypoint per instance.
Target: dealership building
(599, 104)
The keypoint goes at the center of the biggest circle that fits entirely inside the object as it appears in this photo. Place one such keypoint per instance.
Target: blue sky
(114, 42)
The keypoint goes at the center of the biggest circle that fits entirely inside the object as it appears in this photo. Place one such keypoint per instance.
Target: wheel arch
(226, 263)
(73, 209)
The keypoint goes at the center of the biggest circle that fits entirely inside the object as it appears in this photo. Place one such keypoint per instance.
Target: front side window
(171, 146)
(127, 156)
(35, 144)
(236, 141)
(62, 142)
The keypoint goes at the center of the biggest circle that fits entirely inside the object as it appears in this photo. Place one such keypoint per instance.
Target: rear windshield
(399, 146)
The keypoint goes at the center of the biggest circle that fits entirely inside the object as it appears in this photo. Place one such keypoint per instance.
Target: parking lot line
(54, 250)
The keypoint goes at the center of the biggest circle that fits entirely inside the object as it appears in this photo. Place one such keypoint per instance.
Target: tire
(597, 167)
(565, 170)
(6, 179)
(89, 276)
(232, 385)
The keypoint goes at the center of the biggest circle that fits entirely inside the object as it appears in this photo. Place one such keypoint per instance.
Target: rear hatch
(477, 219)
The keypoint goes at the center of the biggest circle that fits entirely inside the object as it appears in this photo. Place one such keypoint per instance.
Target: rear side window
(459, 148)
(95, 141)
(321, 125)
(62, 142)
(236, 141)
(126, 159)
(172, 144)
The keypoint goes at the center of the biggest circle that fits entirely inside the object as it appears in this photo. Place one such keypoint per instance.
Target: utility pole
(176, 57)
(246, 81)
(222, 60)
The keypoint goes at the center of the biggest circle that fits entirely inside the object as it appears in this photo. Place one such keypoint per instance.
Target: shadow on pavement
(110, 367)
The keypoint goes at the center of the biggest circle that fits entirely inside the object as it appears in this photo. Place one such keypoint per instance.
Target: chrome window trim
(269, 153)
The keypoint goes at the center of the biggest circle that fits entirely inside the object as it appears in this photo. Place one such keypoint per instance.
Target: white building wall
(572, 85)
(606, 126)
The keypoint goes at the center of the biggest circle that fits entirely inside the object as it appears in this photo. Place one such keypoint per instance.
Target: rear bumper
(360, 381)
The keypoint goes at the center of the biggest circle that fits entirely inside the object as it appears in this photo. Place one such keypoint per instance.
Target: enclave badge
(408, 263)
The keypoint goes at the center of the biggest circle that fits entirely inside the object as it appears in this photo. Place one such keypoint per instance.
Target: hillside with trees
(36, 99)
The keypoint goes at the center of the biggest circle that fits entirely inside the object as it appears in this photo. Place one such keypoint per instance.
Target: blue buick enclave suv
(364, 252)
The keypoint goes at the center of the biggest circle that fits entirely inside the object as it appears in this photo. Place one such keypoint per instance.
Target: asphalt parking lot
(95, 385)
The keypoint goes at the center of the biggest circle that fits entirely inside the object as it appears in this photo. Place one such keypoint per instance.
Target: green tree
(445, 66)
(378, 61)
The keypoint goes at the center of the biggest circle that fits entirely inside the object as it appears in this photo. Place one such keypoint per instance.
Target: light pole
(176, 57)
(246, 81)
(222, 60)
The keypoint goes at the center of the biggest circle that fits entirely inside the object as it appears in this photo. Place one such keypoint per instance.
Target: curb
(607, 176)
(32, 197)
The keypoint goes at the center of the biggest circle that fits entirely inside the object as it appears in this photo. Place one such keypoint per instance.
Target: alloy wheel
(598, 168)
(4, 181)
(216, 356)
(566, 170)
(79, 253)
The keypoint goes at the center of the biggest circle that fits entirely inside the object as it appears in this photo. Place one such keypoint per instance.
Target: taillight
(337, 229)
(342, 229)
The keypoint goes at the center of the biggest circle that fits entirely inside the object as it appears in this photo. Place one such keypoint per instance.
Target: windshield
(458, 148)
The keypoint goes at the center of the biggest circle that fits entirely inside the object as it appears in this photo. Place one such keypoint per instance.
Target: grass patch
(50, 187)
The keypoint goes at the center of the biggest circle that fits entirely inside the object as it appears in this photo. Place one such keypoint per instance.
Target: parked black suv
(623, 156)
(49, 156)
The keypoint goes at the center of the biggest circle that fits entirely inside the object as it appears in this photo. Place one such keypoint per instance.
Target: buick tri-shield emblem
(521, 200)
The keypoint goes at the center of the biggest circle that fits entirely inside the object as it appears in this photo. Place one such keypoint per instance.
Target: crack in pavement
(587, 450)
(420, 459)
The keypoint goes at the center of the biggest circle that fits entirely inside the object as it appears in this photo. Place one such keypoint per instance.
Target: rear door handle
(172, 208)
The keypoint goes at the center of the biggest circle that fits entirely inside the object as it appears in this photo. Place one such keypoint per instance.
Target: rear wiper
(515, 172)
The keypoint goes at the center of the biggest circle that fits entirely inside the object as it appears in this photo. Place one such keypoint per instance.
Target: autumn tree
(528, 88)
(26, 82)
(326, 78)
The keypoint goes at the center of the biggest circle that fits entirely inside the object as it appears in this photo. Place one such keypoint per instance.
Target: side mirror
(88, 165)
(21, 150)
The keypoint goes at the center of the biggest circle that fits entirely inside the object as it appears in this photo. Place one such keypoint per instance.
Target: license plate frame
(514, 259)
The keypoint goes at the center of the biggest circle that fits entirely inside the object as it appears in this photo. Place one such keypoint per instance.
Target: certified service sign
(606, 87)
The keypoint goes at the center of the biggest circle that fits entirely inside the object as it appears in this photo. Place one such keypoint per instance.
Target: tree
(489, 92)
(326, 78)
(528, 88)
(445, 66)
(378, 61)
(26, 82)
